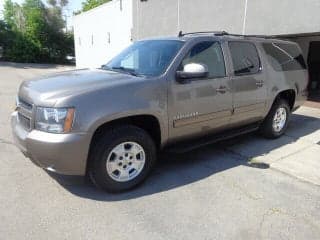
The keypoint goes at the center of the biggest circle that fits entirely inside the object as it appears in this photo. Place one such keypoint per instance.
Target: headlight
(54, 120)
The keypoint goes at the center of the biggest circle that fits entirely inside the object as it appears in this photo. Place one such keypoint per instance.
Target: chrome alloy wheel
(279, 119)
(125, 161)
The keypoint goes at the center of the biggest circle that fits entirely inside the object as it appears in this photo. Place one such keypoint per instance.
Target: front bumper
(61, 153)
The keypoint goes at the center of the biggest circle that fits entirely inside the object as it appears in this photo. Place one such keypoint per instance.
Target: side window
(245, 58)
(284, 57)
(210, 54)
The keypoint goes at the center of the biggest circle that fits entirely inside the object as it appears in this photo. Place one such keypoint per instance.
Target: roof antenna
(180, 34)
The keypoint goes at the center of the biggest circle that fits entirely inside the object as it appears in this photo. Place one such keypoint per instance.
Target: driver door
(200, 106)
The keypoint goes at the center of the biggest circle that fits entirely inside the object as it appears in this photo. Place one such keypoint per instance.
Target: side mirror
(192, 70)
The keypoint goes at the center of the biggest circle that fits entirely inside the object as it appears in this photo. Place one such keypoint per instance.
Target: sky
(73, 6)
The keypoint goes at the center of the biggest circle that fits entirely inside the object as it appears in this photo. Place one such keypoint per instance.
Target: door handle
(259, 83)
(222, 89)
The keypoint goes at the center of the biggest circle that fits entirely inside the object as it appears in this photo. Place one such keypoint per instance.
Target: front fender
(96, 108)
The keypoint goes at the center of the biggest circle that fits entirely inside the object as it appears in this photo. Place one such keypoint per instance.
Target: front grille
(25, 105)
(24, 121)
(25, 114)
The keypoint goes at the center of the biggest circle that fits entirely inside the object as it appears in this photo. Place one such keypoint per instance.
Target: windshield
(149, 58)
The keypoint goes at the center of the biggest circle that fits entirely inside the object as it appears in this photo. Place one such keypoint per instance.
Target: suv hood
(47, 90)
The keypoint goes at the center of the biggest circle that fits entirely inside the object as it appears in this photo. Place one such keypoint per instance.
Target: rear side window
(210, 54)
(245, 58)
(284, 57)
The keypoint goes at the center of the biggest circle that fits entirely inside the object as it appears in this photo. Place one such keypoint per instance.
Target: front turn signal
(69, 120)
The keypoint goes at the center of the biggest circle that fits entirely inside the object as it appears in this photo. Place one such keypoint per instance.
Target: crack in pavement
(271, 164)
(243, 190)
(297, 177)
(227, 149)
(273, 211)
(293, 153)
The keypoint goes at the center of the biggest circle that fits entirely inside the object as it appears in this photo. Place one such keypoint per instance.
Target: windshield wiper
(126, 70)
(105, 67)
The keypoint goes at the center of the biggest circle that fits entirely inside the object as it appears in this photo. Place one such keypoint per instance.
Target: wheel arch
(289, 95)
(147, 122)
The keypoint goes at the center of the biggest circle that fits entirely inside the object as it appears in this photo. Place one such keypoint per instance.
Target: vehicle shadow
(300, 127)
(177, 170)
(172, 171)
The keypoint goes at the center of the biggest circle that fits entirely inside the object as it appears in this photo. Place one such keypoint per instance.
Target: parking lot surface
(244, 188)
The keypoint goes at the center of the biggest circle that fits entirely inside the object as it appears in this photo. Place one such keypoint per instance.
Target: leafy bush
(23, 50)
(34, 32)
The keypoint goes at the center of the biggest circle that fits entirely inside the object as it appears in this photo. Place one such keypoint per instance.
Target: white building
(102, 32)
(297, 20)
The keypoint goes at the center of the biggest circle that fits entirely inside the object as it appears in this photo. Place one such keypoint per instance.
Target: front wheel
(122, 158)
(276, 122)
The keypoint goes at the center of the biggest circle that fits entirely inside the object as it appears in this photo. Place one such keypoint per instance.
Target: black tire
(104, 145)
(266, 128)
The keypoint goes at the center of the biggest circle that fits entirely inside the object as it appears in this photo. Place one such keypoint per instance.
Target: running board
(187, 146)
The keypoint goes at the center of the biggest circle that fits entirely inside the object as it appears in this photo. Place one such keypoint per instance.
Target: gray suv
(167, 93)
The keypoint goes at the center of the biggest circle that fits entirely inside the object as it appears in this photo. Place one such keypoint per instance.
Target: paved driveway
(245, 188)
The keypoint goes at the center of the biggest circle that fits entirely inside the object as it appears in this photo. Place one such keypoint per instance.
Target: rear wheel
(122, 158)
(276, 122)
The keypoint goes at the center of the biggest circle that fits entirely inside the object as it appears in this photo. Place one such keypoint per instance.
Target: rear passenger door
(248, 83)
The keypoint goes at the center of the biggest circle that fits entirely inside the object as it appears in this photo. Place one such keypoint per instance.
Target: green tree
(37, 32)
(52, 2)
(35, 20)
(9, 12)
(90, 4)
(3, 32)
(6, 35)
(13, 15)
(55, 3)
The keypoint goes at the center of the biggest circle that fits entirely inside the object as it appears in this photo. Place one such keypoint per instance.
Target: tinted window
(210, 54)
(245, 58)
(284, 57)
(150, 57)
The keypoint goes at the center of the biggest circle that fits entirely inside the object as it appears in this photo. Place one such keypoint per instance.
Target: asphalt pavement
(244, 188)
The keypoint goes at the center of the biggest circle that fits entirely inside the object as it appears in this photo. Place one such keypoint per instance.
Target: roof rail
(256, 36)
(223, 33)
(216, 33)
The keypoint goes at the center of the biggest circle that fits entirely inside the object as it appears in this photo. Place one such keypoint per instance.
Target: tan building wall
(269, 17)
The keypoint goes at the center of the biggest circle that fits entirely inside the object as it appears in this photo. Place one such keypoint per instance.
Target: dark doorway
(314, 71)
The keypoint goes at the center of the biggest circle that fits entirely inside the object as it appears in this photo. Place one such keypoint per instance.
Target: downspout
(178, 15)
(245, 18)
(138, 19)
